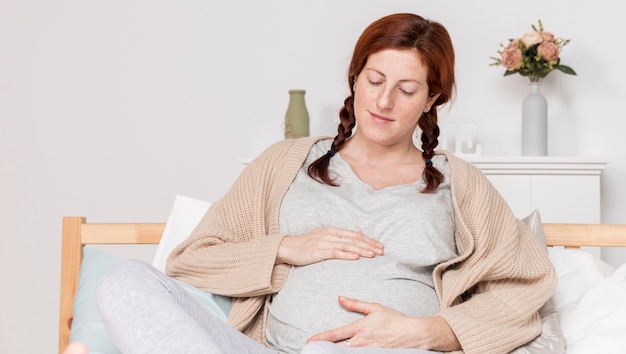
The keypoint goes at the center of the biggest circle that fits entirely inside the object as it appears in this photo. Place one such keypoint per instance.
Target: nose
(385, 99)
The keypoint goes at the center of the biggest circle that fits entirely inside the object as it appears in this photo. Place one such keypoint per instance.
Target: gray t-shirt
(417, 230)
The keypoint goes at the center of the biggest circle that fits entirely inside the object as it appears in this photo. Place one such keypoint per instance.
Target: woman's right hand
(327, 243)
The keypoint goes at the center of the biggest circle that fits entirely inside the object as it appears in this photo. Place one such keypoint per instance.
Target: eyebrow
(400, 81)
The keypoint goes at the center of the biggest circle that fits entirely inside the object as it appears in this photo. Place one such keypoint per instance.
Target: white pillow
(590, 299)
(577, 272)
(533, 221)
(185, 215)
(595, 323)
(551, 339)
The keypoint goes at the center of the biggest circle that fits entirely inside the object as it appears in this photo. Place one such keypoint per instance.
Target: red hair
(433, 43)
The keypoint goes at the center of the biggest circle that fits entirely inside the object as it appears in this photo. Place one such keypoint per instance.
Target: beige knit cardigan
(489, 294)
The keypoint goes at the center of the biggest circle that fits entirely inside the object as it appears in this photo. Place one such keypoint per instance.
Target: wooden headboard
(78, 233)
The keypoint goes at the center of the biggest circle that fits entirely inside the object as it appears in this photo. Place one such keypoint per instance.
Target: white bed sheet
(590, 299)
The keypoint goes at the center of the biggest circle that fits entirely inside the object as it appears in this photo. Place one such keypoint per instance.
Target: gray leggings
(145, 311)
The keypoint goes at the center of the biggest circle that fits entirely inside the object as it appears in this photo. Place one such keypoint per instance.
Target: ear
(431, 101)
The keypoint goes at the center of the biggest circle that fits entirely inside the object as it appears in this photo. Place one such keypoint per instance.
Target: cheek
(361, 99)
(412, 113)
(368, 93)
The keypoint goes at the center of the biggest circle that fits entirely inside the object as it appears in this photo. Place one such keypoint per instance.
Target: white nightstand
(564, 189)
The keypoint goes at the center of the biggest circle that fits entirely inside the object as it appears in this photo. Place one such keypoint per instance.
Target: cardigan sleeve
(232, 250)
(491, 295)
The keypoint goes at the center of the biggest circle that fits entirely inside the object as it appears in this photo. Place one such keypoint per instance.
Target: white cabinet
(563, 189)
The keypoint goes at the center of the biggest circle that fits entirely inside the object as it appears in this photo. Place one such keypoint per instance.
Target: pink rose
(513, 44)
(511, 58)
(532, 38)
(548, 51)
(547, 36)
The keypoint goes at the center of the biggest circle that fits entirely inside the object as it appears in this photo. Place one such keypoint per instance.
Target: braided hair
(433, 43)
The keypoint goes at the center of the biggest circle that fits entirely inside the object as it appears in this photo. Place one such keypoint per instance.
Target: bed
(590, 298)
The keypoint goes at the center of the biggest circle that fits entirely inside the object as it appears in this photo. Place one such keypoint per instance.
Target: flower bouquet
(534, 55)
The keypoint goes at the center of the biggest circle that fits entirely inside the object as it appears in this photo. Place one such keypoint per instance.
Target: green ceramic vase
(297, 116)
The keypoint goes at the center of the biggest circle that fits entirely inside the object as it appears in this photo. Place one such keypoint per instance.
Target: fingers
(357, 305)
(338, 335)
(326, 243)
(355, 242)
(342, 334)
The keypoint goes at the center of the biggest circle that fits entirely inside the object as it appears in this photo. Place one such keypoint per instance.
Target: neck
(367, 152)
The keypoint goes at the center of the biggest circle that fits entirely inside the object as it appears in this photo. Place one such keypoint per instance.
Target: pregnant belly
(307, 303)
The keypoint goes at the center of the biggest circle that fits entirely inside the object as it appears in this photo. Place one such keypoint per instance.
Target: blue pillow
(87, 326)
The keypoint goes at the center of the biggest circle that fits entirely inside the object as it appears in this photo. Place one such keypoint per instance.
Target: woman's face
(390, 95)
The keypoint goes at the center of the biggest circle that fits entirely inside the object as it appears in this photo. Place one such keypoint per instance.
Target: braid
(430, 132)
(434, 46)
(318, 170)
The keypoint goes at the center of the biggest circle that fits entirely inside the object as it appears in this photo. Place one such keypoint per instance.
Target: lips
(379, 118)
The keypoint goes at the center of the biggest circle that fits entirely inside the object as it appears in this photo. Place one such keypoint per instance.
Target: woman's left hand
(383, 327)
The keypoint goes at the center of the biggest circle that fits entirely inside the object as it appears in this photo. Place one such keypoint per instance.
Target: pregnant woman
(366, 242)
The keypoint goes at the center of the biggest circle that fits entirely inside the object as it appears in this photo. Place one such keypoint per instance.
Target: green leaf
(566, 69)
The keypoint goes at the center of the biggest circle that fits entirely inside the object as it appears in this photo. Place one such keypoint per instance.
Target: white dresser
(563, 189)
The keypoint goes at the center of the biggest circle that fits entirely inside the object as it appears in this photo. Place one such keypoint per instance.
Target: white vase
(534, 123)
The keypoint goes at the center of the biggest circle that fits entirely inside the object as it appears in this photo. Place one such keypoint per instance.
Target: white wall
(110, 108)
